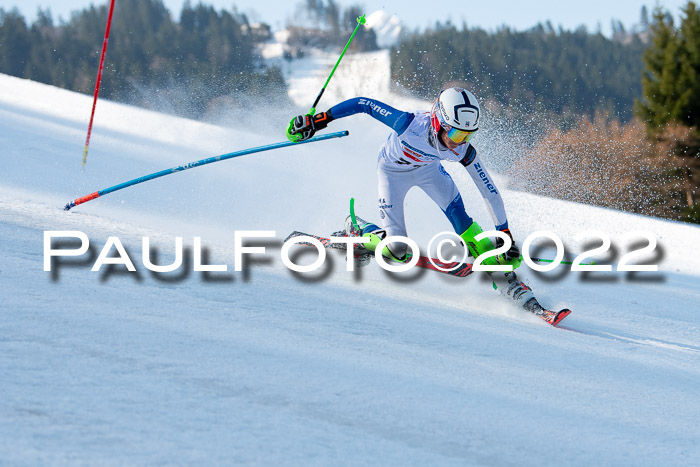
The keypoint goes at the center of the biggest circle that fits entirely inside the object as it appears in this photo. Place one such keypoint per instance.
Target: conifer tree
(661, 73)
(15, 42)
(689, 82)
(671, 78)
(671, 103)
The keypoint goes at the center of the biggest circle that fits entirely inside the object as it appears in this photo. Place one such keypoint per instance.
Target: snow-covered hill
(269, 367)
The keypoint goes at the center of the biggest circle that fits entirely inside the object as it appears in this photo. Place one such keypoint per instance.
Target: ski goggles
(458, 136)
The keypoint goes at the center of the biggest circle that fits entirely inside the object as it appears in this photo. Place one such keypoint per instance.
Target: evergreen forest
(205, 54)
(559, 71)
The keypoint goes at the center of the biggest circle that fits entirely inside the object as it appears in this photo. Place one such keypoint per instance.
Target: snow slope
(270, 367)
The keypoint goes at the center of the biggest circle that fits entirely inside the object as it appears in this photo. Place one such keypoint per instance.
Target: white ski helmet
(456, 111)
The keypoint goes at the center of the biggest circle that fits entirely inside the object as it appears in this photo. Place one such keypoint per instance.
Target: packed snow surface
(267, 366)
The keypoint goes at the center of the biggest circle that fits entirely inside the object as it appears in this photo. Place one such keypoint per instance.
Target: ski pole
(542, 260)
(192, 165)
(295, 138)
(99, 80)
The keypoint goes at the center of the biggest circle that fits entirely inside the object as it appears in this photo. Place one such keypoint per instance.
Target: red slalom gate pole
(99, 80)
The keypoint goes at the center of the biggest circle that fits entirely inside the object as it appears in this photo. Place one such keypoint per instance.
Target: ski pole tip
(361, 20)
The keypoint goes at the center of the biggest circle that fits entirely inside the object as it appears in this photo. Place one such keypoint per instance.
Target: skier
(410, 157)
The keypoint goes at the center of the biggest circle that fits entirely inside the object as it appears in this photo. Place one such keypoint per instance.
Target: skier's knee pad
(478, 248)
(484, 245)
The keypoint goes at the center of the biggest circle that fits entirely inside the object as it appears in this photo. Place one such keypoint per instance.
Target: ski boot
(362, 254)
(351, 230)
(511, 287)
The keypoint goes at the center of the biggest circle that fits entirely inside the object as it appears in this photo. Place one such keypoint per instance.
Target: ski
(552, 317)
(522, 294)
(555, 317)
(452, 268)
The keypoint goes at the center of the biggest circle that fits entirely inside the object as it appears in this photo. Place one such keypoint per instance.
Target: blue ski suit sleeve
(397, 120)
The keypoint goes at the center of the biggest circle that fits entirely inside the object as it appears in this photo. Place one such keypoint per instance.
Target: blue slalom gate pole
(192, 165)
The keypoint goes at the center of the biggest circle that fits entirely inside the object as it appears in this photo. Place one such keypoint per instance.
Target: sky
(417, 14)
